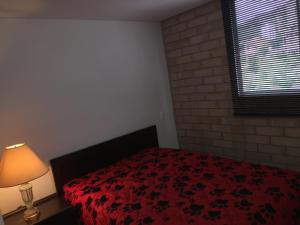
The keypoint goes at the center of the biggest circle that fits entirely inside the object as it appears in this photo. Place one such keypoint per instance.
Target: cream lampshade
(19, 165)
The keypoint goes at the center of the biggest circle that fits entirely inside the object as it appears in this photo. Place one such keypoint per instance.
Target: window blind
(264, 55)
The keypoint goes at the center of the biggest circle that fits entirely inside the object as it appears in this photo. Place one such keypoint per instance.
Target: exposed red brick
(284, 122)
(256, 121)
(293, 152)
(190, 50)
(200, 112)
(231, 121)
(172, 37)
(223, 88)
(221, 128)
(173, 54)
(201, 55)
(199, 39)
(221, 70)
(209, 45)
(250, 147)
(202, 100)
(223, 143)
(198, 21)
(201, 126)
(218, 61)
(292, 132)
(225, 104)
(285, 159)
(179, 27)
(177, 45)
(233, 153)
(258, 156)
(169, 22)
(186, 16)
(196, 97)
(212, 26)
(285, 141)
(217, 15)
(216, 34)
(216, 96)
(219, 112)
(205, 88)
(233, 137)
(271, 131)
(258, 139)
(214, 80)
(188, 33)
(219, 53)
(184, 59)
(203, 72)
(241, 129)
(271, 149)
(207, 8)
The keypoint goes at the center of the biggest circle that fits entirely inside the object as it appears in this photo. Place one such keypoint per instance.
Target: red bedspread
(166, 186)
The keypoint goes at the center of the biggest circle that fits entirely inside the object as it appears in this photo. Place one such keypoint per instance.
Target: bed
(139, 183)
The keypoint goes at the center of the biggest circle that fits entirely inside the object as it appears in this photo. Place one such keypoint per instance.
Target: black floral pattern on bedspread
(178, 187)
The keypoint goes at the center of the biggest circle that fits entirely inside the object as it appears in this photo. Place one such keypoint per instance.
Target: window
(264, 55)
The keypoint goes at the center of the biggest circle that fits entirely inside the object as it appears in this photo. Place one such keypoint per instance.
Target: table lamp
(18, 166)
(1, 220)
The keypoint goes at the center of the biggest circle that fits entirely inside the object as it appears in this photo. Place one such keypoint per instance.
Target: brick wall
(201, 90)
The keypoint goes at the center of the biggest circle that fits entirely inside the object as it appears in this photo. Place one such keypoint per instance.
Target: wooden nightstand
(54, 211)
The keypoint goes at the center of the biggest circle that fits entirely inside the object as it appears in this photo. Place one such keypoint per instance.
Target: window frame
(285, 104)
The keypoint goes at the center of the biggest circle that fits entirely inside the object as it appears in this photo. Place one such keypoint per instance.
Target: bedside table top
(47, 207)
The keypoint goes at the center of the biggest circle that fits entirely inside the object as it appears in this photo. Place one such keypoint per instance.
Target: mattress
(170, 186)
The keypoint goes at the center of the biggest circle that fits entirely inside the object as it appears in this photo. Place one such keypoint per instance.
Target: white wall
(68, 84)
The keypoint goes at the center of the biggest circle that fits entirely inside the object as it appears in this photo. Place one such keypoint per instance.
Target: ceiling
(134, 10)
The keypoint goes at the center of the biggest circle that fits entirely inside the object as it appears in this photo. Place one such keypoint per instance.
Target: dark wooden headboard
(79, 163)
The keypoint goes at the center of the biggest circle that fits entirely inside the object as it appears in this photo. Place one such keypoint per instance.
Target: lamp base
(32, 214)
